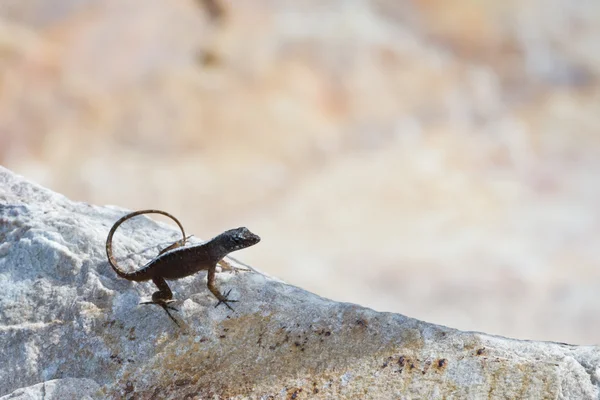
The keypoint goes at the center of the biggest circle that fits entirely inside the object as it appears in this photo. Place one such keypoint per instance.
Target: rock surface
(69, 325)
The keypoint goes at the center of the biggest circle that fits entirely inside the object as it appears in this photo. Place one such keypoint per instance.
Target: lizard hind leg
(163, 297)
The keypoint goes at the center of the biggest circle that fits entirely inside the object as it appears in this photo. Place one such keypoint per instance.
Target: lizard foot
(225, 301)
(165, 306)
(227, 266)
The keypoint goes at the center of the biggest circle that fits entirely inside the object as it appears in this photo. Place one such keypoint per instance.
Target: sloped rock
(68, 322)
(57, 389)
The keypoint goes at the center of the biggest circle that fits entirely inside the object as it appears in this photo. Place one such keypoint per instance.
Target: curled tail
(134, 276)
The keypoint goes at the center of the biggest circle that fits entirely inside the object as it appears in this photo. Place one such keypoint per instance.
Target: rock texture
(71, 329)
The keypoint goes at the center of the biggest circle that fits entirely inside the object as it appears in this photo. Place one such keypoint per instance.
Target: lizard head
(240, 238)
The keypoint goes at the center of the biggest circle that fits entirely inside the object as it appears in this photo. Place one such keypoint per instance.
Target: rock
(71, 328)
(57, 389)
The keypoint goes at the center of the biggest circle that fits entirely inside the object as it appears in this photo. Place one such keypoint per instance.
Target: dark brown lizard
(175, 261)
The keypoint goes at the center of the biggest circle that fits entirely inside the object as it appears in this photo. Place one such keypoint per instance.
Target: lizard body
(177, 262)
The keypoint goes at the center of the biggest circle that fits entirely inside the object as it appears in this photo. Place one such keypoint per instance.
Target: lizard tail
(133, 276)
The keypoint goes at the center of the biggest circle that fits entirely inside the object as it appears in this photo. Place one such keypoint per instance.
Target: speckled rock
(70, 325)
(58, 389)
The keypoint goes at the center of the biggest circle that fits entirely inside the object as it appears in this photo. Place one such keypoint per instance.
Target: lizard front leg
(227, 266)
(163, 297)
(213, 289)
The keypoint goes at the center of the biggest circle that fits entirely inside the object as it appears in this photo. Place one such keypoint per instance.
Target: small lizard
(175, 261)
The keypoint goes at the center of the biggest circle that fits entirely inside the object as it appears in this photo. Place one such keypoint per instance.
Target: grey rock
(70, 328)
(57, 389)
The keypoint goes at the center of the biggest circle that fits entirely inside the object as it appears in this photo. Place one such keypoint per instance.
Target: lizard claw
(225, 300)
(165, 306)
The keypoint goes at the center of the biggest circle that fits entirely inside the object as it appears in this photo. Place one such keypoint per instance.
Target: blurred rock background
(438, 159)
